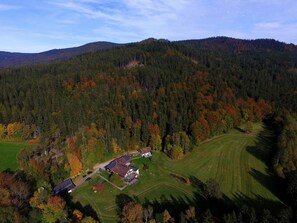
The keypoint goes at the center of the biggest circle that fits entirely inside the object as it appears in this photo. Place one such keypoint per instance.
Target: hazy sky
(39, 25)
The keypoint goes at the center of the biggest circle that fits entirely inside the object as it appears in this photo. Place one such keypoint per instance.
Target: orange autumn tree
(90, 142)
(234, 113)
(39, 199)
(77, 215)
(264, 108)
(54, 210)
(73, 157)
(2, 131)
(115, 146)
(213, 118)
(132, 212)
(200, 130)
(37, 168)
(14, 128)
(155, 141)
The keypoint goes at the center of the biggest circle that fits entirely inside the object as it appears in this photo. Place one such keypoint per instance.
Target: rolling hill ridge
(8, 59)
(217, 44)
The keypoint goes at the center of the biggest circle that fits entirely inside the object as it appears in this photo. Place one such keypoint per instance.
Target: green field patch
(237, 161)
(105, 174)
(163, 190)
(8, 152)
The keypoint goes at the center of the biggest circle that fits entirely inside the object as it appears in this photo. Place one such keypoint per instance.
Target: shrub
(212, 189)
(176, 152)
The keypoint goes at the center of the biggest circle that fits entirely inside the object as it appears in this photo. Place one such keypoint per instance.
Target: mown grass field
(8, 152)
(236, 160)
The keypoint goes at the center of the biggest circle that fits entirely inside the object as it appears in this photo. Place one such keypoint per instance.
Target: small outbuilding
(67, 186)
(145, 152)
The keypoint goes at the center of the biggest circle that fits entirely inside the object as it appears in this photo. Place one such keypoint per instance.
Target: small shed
(67, 186)
(145, 152)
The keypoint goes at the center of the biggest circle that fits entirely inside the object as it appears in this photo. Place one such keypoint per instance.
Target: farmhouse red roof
(145, 150)
(121, 170)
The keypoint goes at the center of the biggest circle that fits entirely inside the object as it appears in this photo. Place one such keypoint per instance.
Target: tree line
(169, 96)
(166, 99)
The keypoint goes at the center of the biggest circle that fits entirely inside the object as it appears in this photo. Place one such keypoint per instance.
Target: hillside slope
(227, 44)
(153, 88)
(8, 59)
(232, 160)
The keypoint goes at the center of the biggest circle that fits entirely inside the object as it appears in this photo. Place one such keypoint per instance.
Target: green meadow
(8, 152)
(237, 161)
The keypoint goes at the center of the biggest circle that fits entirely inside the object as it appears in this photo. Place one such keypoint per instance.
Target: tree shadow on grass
(225, 204)
(217, 206)
(267, 180)
(87, 210)
(265, 145)
(240, 129)
(8, 170)
(264, 150)
(120, 201)
(176, 205)
(257, 202)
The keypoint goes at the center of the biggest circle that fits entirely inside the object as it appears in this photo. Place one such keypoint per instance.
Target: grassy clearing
(233, 161)
(236, 160)
(8, 152)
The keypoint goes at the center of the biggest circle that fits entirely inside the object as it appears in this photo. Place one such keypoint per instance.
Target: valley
(218, 115)
(237, 161)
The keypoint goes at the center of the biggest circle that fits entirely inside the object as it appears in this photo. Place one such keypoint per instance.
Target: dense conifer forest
(170, 96)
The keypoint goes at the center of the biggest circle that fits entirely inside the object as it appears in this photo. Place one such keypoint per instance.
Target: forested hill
(262, 68)
(146, 93)
(8, 59)
(238, 45)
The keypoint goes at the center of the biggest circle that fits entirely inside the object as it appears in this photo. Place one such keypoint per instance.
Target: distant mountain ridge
(233, 44)
(226, 44)
(8, 59)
